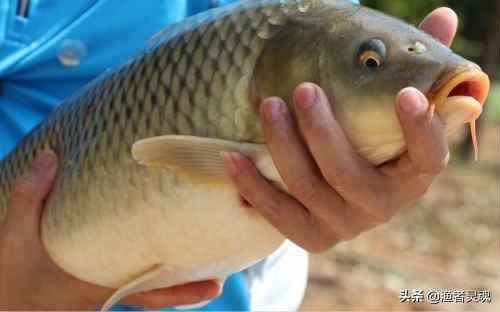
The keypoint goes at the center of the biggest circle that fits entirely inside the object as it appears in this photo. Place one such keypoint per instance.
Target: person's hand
(335, 194)
(30, 280)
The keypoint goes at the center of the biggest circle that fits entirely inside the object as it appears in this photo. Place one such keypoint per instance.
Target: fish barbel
(141, 199)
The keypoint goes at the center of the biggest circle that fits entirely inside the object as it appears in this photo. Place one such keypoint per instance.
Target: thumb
(442, 24)
(28, 194)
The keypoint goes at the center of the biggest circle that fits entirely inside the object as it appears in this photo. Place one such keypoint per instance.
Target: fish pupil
(371, 62)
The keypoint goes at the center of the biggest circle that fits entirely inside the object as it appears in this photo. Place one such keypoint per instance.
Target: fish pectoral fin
(197, 157)
(147, 281)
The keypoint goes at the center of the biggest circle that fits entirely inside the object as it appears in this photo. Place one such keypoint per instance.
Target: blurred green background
(449, 239)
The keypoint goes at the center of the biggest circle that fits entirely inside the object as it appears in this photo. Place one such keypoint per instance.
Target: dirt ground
(449, 240)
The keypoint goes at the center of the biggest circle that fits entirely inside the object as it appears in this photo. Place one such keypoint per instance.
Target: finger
(281, 210)
(352, 177)
(28, 194)
(187, 294)
(294, 162)
(405, 184)
(424, 134)
(441, 24)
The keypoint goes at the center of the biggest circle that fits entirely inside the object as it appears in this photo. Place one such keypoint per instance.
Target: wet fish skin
(110, 219)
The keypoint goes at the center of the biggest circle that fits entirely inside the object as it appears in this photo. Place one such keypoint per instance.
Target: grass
(492, 107)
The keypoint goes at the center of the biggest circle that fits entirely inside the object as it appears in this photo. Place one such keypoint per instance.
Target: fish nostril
(417, 47)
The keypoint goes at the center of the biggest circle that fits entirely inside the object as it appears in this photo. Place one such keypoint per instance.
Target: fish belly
(195, 231)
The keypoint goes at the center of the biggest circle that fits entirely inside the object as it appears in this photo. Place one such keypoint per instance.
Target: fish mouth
(458, 98)
(463, 93)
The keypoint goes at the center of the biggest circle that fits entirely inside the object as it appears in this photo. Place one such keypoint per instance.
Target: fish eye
(371, 53)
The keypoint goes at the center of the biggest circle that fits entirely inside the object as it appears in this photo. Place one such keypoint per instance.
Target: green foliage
(412, 11)
(492, 106)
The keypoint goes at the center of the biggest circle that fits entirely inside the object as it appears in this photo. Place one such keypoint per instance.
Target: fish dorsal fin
(173, 30)
(318, 12)
(200, 158)
(195, 21)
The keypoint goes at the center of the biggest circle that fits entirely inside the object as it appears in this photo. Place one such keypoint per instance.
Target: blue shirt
(101, 33)
(58, 46)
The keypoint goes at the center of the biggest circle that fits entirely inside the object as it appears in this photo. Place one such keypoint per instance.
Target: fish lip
(475, 82)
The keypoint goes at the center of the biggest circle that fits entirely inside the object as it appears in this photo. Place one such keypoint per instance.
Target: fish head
(362, 59)
(367, 58)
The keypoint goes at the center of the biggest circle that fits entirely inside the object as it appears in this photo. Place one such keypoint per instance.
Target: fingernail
(411, 102)
(305, 96)
(230, 163)
(273, 108)
(46, 160)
